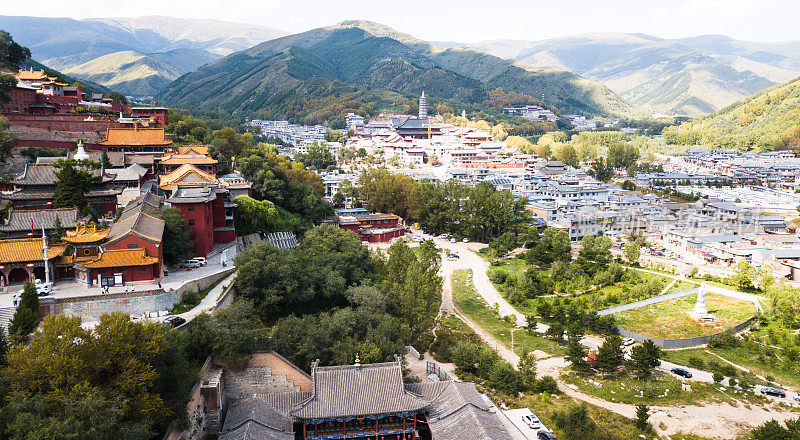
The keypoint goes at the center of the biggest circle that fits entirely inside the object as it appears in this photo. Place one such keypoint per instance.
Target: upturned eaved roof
(349, 390)
(252, 420)
(135, 137)
(86, 232)
(122, 258)
(141, 218)
(186, 174)
(45, 174)
(27, 249)
(458, 411)
(180, 159)
(24, 220)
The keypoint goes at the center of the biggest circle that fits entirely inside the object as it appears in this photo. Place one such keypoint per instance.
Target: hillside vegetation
(325, 72)
(767, 120)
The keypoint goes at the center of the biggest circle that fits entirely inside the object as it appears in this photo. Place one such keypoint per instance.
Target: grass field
(669, 320)
(471, 304)
(660, 389)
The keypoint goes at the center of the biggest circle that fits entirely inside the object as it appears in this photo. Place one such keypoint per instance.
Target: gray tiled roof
(21, 220)
(459, 412)
(45, 174)
(358, 390)
(141, 217)
(250, 419)
(282, 240)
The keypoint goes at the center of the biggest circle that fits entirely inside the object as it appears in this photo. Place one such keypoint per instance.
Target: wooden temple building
(274, 400)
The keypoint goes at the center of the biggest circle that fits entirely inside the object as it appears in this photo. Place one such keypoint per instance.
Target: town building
(186, 174)
(373, 228)
(159, 115)
(23, 259)
(209, 212)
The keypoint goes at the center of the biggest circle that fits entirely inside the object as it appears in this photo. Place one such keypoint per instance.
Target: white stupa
(81, 154)
(700, 312)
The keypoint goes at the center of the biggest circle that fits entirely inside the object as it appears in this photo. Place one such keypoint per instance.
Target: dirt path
(720, 420)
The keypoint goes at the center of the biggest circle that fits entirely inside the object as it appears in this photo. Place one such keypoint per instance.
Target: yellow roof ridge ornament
(358, 360)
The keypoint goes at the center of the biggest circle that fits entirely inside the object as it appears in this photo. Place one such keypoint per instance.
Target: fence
(648, 301)
(434, 368)
(686, 342)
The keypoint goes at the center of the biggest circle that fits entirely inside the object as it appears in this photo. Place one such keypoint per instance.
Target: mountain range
(365, 62)
(135, 56)
(688, 76)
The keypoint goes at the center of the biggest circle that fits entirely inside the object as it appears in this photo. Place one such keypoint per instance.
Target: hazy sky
(469, 20)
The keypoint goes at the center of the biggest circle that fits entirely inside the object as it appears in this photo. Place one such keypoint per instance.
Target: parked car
(190, 264)
(628, 341)
(451, 257)
(532, 421)
(174, 321)
(796, 397)
(452, 240)
(418, 238)
(681, 372)
(546, 435)
(466, 240)
(443, 236)
(42, 289)
(774, 392)
(201, 260)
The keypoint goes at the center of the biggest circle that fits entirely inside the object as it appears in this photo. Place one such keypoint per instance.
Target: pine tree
(610, 355)
(24, 320)
(576, 355)
(642, 418)
(104, 160)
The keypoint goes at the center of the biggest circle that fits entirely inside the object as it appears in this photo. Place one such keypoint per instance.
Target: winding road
(729, 421)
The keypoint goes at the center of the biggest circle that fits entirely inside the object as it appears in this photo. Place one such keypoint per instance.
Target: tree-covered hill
(767, 120)
(354, 64)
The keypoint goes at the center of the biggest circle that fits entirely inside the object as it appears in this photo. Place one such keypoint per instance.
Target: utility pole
(46, 262)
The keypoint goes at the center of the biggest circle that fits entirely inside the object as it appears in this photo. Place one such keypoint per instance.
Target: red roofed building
(374, 228)
(208, 209)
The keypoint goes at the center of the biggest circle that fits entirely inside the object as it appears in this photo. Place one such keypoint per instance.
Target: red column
(376, 426)
(304, 430)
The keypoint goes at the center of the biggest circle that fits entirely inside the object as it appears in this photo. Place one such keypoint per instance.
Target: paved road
(520, 427)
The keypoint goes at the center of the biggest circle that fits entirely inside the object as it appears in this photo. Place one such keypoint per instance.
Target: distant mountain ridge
(373, 63)
(693, 76)
(104, 48)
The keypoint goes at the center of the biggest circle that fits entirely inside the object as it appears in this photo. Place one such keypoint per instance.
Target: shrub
(696, 362)
(718, 377)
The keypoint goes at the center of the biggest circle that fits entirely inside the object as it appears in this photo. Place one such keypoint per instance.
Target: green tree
(117, 97)
(773, 430)
(576, 355)
(643, 418)
(231, 334)
(632, 252)
(644, 358)
(74, 179)
(104, 160)
(84, 417)
(115, 359)
(601, 171)
(318, 157)
(24, 320)
(744, 275)
(622, 155)
(527, 370)
(383, 191)
(177, 240)
(610, 355)
(258, 216)
(7, 84)
(11, 52)
(57, 233)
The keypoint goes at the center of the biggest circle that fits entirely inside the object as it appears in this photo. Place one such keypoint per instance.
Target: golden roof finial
(358, 360)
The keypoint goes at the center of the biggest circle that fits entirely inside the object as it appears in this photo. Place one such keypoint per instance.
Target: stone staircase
(6, 313)
(256, 380)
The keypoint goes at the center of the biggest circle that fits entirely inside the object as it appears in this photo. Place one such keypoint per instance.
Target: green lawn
(471, 304)
(669, 320)
(660, 389)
